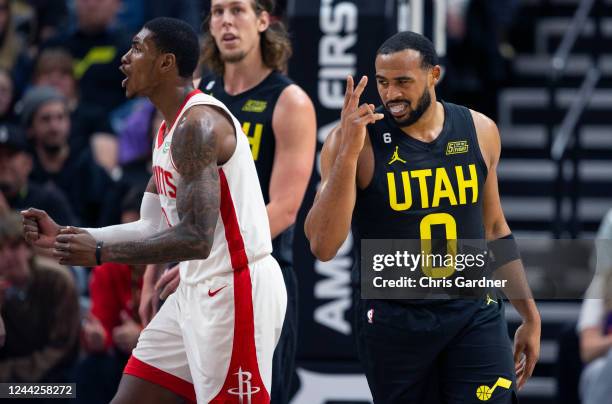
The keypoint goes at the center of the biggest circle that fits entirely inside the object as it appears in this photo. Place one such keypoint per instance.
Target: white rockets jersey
(242, 231)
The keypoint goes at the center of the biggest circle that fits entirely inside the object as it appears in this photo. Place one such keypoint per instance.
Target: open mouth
(398, 109)
(125, 80)
(229, 38)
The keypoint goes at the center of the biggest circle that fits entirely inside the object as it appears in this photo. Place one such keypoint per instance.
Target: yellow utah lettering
(421, 175)
(465, 184)
(395, 205)
(443, 188)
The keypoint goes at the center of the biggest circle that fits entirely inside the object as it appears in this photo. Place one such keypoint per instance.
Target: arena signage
(332, 39)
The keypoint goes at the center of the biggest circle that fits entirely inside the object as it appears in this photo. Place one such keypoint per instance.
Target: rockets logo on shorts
(244, 388)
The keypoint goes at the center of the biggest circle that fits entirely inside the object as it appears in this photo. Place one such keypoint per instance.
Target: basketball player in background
(391, 169)
(214, 338)
(247, 54)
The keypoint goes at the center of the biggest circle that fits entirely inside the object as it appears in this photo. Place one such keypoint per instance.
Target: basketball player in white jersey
(213, 339)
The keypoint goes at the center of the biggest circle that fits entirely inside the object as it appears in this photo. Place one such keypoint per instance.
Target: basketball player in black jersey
(247, 54)
(397, 172)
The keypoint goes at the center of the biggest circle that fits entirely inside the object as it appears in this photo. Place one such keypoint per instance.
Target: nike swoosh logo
(212, 294)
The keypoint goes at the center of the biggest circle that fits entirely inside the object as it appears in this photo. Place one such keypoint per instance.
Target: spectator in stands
(135, 140)
(90, 124)
(40, 308)
(134, 13)
(595, 324)
(111, 329)
(50, 15)
(6, 97)
(45, 115)
(15, 188)
(97, 46)
(13, 55)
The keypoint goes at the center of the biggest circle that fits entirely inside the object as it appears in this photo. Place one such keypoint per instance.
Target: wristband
(99, 246)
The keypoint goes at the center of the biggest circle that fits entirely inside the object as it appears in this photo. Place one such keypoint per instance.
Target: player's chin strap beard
(418, 111)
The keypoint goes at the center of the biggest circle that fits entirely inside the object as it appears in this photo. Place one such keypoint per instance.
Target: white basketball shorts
(212, 342)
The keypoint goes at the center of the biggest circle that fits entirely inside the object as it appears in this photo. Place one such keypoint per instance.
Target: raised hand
(354, 118)
(38, 228)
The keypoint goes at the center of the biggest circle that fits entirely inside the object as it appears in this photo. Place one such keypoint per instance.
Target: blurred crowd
(71, 144)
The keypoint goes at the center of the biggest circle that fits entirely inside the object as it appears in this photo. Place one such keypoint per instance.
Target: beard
(422, 104)
(233, 57)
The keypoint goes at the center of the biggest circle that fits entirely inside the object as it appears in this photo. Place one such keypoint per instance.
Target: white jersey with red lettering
(239, 187)
(213, 339)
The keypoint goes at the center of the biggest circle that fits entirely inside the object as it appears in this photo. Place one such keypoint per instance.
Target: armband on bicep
(502, 251)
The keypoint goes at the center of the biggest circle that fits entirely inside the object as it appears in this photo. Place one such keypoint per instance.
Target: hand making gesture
(354, 118)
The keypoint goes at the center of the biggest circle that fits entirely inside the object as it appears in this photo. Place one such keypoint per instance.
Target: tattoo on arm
(197, 199)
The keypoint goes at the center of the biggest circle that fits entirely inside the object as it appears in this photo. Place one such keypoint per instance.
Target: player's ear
(435, 74)
(263, 21)
(168, 62)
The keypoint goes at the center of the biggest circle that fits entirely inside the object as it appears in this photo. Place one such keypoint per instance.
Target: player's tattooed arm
(198, 196)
